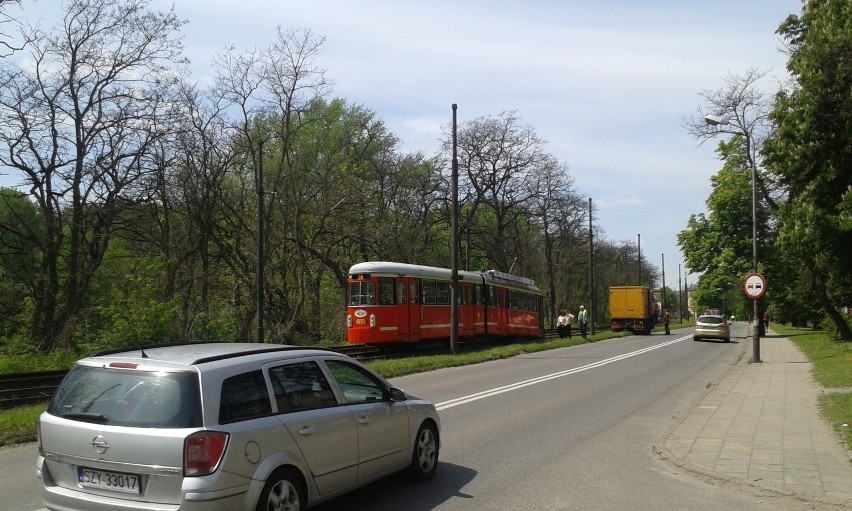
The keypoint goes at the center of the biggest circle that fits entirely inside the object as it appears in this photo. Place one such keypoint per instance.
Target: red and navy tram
(396, 302)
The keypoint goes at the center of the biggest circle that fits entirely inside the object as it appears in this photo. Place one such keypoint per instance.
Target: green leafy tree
(20, 224)
(719, 246)
(811, 152)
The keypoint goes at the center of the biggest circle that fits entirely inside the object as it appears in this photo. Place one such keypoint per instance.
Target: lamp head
(715, 120)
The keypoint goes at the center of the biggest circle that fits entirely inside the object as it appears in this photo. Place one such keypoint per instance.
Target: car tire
(696, 338)
(424, 459)
(282, 492)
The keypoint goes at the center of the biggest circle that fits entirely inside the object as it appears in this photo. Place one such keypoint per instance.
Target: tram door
(409, 309)
(502, 312)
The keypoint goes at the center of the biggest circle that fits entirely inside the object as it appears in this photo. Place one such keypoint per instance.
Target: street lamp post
(715, 120)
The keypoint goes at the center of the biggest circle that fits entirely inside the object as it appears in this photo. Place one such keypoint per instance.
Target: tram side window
(362, 292)
(479, 299)
(443, 292)
(491, 296)
(386, 291)
(436, 292)
(520, 300)
(429, 293)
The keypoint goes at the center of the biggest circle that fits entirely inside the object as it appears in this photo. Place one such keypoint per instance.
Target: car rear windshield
(127, 397)
(713, 320)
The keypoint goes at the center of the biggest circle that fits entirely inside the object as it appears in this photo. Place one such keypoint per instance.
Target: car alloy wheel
(424, 461)
(281, 493)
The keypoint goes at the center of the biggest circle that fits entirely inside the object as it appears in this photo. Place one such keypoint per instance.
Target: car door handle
(306, 430)
(363, 420)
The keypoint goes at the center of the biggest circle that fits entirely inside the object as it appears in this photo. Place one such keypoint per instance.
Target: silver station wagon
(226, 427)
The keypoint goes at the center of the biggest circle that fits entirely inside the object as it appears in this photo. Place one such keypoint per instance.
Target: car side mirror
(397, 394)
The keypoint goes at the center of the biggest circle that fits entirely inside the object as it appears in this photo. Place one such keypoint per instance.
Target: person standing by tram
(562, 324)
(570, 323)
(583, 320)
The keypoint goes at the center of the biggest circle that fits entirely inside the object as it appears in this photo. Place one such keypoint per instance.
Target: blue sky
(605, 82)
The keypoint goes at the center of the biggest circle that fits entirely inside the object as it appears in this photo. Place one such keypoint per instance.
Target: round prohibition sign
(754, 286)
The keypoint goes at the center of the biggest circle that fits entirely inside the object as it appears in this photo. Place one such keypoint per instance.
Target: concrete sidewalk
(761, 425)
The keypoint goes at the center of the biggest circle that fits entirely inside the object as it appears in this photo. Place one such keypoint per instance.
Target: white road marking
(526, 383)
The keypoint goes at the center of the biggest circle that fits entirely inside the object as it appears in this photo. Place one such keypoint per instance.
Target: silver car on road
(712, 326)
(226, 427)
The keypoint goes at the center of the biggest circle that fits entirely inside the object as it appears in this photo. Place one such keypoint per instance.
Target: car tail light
(203, 451)
(38, 436)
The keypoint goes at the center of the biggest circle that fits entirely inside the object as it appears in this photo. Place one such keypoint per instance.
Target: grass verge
(832, 369)
(18, 425)
(411, 365)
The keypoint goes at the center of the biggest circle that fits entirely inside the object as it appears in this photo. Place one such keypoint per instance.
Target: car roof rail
(285, 347)
(143, 347)
(211, 358)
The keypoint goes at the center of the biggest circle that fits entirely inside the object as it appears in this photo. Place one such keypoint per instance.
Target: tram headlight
(372, 320)
(349, 321)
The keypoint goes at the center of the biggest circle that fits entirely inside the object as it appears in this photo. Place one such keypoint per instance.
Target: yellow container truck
(633, 308)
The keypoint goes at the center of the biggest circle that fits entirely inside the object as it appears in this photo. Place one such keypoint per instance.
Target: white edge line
(539, 379)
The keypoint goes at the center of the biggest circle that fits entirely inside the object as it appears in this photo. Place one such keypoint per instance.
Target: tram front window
(362, 293)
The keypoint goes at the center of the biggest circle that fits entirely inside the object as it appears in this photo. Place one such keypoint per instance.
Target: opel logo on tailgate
(100, 444)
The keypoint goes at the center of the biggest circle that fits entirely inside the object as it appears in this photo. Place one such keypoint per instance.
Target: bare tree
(7, 45)
(740, 108)
(82, 122)
(561, 213)
(501, 159)
(271, 89)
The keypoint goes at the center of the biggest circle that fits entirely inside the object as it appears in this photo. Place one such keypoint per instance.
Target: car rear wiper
(87, 417)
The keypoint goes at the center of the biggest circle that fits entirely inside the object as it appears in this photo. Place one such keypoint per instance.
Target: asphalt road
(564, 429)
(570, 429)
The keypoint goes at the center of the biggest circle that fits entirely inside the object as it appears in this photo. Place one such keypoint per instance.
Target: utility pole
(592, 308)
(679, 295)
(454, 253)
(663, 290)
(260, 237)
(639, 256)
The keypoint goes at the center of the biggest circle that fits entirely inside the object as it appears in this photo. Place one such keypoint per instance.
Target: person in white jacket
(562, 324)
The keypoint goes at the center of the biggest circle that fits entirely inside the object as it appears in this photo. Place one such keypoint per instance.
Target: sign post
(754, 287)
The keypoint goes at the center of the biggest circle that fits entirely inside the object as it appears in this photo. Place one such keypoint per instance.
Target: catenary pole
(592, 308)
(260, 237)
(454, 253)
